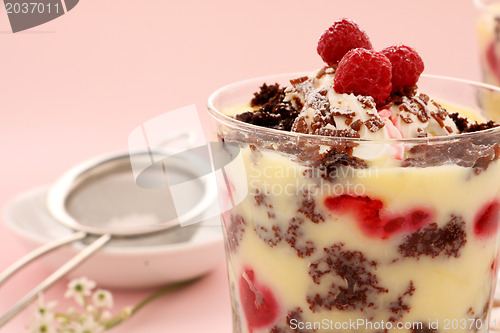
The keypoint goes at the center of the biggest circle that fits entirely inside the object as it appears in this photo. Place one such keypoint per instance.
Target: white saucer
(140, 262)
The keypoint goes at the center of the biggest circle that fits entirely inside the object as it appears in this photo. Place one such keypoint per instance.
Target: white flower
(90, 309)
(45, 310)
(106, 315)
(79, 289)
(102, 299)
(89, 325)
(42, 325)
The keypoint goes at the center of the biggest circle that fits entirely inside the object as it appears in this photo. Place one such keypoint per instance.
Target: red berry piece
(364, 72)
(343, 36)
(493, 60)
(259, 304)
(494, 267)
(372, 218)
(486, 221)
(406, 65)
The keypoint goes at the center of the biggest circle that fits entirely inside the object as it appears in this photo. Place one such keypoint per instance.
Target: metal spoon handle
(39, 251)
(54, 277)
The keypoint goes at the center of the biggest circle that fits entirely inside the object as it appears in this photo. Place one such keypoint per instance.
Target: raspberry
(259, 304)
(486, 221)
(492, 59)
(342, 36)
(373, 218)
(406, 65)
(364, 72)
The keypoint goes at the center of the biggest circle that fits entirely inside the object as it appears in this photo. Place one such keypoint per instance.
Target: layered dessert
(488, 26)
(369, 206)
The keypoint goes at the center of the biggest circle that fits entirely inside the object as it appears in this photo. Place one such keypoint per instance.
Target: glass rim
(480, 4)
(220, 117)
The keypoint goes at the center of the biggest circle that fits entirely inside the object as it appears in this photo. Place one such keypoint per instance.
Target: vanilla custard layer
(446, 288)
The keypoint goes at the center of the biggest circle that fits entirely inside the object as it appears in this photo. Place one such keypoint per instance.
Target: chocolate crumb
(266, 94)
(356, 283)
(461, 123)
(235, 230)
(476, 153)
(294, 237)
(262, 199)
(308, 208)
(433, 241)
(401, 306)
(464, 126)
(294, 315)
(270, 235)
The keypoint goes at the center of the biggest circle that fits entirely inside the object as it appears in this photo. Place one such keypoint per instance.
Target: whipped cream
(324, 111)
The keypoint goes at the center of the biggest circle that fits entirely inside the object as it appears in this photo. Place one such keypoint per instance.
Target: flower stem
(121, 317)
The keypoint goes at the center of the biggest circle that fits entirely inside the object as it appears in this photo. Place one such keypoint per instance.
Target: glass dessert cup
(488, 29)
(488, 32)
(329, 234)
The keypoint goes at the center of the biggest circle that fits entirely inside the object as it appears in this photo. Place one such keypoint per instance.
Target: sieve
(96, 182)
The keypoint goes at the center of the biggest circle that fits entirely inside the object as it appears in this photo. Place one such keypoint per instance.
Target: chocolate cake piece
(464, 126)
(273, 111)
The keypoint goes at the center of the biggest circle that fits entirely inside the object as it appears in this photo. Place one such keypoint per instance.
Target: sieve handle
(38, 252)
(54, 277)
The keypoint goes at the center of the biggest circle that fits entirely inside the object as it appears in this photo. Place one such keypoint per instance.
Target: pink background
(77, 86)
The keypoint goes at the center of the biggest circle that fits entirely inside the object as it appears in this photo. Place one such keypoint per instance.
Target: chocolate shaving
(367, 101)
(356, 126)
(326, 70)
(374, 124)
(299, 80)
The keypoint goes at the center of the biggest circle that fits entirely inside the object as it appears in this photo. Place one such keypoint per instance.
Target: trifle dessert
(358, 202)
(488, 26)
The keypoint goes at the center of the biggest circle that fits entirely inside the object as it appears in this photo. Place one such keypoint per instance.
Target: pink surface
(77, 86)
